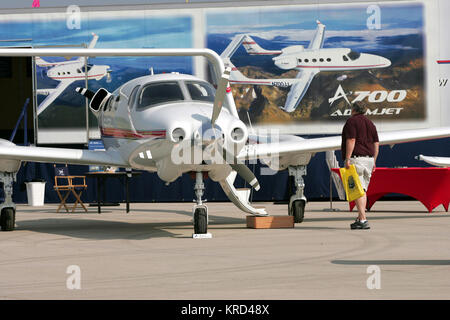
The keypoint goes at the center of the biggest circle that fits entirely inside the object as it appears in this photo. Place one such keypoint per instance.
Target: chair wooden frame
(70, 187)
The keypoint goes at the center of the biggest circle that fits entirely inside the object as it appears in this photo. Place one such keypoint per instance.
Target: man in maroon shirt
(360, 147)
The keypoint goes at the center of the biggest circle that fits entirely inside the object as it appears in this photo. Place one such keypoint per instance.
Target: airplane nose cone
(387, 62)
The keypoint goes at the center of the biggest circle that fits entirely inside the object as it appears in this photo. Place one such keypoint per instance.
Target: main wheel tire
(8, 219)
(200, 221)
(297, 210)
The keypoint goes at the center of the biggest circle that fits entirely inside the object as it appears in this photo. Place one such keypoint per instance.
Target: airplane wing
(435, 161)
(91, 45)
(60, 155)
(317, 42)
(54, 93)
(236, 77)
(299, 88)
(293, 145)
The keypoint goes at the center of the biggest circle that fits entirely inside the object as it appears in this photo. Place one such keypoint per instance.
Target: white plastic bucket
(35, 193)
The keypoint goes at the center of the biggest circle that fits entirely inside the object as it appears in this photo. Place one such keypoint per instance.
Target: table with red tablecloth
(430, 185)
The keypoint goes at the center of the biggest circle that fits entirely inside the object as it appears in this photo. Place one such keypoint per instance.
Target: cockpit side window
(86, 68)
(132, 97)
(201, 91)
(107, 105)
(160, 92)
(354, 55)
(345, 58)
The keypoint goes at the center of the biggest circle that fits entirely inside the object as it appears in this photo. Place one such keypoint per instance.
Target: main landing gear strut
(297, 201)
(200, 210)
(8, 208)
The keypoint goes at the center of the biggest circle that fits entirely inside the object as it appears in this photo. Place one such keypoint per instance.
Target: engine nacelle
(285, 62)
(292, 49)
(167, 170)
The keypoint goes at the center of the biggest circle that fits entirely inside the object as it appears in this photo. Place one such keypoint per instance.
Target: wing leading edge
(299, 88)
(60, 155)
(317, 42)
(299, 145)
(54, 93)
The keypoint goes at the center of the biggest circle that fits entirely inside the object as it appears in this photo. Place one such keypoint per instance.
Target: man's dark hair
(358, 108)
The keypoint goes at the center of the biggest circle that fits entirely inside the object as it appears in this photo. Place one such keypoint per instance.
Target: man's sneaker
(360, 225)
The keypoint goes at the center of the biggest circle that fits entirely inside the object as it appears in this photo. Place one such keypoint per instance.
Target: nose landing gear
(200, 210)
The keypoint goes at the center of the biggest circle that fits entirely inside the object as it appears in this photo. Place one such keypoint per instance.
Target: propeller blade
(242, 170)
(220, 95)
(246, 174)
(85, 92)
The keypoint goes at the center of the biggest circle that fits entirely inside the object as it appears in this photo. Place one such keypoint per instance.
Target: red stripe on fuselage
(238, 81)
(324, 67)
(128, 134)
(80, 77)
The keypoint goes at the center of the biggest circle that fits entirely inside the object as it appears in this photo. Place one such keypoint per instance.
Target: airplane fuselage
(332, 59)
(166, 121)
(77, 71)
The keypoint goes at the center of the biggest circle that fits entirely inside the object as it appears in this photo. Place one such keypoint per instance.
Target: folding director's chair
(67, 183)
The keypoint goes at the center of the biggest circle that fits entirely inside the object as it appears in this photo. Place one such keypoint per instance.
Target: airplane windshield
(200, 91)
(160, 92)
(354, 55)
(132, 96)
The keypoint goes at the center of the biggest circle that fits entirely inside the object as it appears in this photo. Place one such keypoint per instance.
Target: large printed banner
(332, 55)
(60, 111)
(443, 61)
(296, 68)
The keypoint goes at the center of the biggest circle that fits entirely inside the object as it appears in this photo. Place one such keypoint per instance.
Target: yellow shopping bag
(352, 185)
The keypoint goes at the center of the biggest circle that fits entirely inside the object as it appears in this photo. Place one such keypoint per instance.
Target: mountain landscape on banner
(399, 40)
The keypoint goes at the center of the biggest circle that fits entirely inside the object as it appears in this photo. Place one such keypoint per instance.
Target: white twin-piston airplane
(157, 122)
(308, 61)
(67, 72)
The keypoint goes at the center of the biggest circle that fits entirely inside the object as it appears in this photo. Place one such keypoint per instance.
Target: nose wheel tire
(200, 221)
(297, 209)
(7, 219)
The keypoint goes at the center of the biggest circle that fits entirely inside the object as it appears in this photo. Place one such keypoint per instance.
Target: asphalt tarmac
(149, 253)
